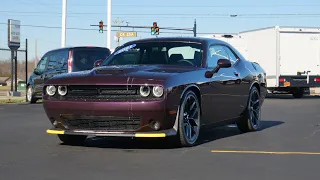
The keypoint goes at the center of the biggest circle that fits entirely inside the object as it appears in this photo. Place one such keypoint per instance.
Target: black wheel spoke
(193, 105)
(193, 122)
(256, 113)
(194, 114)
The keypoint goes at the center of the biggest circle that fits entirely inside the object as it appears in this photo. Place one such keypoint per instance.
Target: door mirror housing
(97, 63)
(222, 63)
(36, 71)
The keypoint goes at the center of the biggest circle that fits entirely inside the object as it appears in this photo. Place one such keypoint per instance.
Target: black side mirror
(36, 72)
(222, 63)
(97, 63)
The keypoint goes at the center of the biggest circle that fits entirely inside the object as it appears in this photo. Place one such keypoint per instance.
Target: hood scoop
(109, 71)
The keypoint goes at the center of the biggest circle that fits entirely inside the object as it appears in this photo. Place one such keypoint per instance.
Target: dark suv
(63, 60)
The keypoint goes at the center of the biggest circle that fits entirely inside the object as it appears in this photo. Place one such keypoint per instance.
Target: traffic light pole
(194, 29)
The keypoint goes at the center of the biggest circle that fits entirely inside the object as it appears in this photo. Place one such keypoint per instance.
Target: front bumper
(158, 134)
(111, 118)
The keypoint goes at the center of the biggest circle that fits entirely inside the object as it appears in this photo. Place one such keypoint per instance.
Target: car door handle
(236, 73)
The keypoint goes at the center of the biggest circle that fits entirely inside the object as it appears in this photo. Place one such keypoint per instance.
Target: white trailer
(289, 55)
(235, 40)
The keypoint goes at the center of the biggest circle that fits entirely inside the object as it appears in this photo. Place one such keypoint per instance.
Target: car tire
(250, 119)
(189, 120)
(30, 96)
(72, 139)
(298, 93)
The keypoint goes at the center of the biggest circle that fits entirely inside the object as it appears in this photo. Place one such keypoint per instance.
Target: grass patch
(10, 101)
(13, 101)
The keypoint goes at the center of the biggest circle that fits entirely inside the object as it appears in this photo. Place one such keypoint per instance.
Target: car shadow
(129, 144)
(231, 130)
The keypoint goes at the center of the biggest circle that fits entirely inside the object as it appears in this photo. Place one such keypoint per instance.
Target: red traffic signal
(155, 24)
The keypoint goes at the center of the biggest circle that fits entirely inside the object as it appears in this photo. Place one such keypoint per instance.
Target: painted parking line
(266, 152)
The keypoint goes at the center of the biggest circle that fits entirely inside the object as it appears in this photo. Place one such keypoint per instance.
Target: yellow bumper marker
(150, 135)
(267, 152)
(49, 131)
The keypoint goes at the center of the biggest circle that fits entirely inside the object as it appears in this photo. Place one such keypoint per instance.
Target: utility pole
(64, 22)
(109, 25)
(195, 28)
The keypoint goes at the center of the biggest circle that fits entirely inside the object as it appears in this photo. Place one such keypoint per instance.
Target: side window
(52, 61)
(216, 52)
(232, 56)
(62, 58)
(42, 64)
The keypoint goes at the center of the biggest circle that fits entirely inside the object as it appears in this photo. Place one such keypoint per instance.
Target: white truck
(289, 55)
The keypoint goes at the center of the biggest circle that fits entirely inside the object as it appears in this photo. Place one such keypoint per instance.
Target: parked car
(158, 87)
(63, 60)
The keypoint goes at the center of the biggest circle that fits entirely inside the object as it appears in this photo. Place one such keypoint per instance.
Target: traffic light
(155, 29)
(101, 27)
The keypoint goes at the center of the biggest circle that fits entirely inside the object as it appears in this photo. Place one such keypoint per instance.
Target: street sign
(127, 34)
(13, 33)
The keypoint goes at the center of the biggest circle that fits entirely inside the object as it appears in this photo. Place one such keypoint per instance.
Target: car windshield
(84, 58)
(168, 53)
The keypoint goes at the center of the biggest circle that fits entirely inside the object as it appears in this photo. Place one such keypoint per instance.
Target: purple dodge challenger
(158, 87)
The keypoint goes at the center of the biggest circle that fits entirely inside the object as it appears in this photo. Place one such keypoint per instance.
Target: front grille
(103, 93)
(80, 90)
(101, 122)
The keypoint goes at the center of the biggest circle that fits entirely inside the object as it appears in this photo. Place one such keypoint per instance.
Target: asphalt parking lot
(291, 131)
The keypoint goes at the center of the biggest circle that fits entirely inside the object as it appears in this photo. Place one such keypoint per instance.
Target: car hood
(121, 74)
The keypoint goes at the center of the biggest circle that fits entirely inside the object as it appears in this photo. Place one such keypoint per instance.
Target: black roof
(74, 47)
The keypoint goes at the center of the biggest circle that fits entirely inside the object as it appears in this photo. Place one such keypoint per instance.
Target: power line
(211, 6)
(179, 6)
(168, 14)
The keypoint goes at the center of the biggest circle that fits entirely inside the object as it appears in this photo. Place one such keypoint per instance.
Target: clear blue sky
(212, 17)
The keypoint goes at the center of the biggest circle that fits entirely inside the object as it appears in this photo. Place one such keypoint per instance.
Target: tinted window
(84, 58)
(216, 52)
(42, 64)
(171, 53)
(232, 56)
(52, 61)
(62, 58)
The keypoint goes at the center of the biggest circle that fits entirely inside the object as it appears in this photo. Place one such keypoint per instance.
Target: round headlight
(145, 91)
(157, 91)
(62, 90)
(51, 90)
